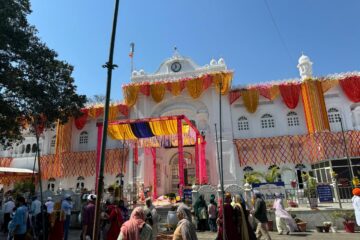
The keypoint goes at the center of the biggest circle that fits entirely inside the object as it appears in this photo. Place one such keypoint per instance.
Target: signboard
(268, 190)
(325, 193)
(188, 194)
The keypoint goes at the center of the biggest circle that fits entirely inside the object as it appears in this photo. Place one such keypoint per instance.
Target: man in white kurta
(356, 204)
(150, 209)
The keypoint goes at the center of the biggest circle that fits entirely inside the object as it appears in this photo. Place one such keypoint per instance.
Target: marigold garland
(157, 92)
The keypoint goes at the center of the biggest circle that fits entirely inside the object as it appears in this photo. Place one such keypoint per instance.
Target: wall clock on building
(175, 67)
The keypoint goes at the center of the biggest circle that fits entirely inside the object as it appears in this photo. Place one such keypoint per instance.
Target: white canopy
(15, 170)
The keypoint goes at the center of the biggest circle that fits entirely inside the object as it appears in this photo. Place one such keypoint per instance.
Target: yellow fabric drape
(274, 92)
(176, 88)
(195, 87)
(113, 113)
(251, 99)
(95, 111)
(131, 94)
(225, 80)
(328, 84)
(157, 92)
(121, 132)
(164, 127)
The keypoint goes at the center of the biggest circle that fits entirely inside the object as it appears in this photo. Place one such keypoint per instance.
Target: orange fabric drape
(175, 87)
(328, 84)
(113, 113)
(195, 87)
(95, 112)
(269, 91)
(251, 99)
(131, 94)
(314, 106)
(157, 92)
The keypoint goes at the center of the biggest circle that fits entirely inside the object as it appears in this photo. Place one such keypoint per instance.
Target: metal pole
(221, 162)
(40, 185)
(110, 66)
(217, 151)
(346, 151)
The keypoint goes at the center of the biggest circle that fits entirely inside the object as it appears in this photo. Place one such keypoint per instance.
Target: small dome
(142, 72)
(213, 62)
(221, 61)
(304, 59)
(134, 73)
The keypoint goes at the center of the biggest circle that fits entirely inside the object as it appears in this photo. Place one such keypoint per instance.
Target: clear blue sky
(240, 31)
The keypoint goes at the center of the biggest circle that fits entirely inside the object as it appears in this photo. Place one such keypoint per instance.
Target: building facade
(263, 126)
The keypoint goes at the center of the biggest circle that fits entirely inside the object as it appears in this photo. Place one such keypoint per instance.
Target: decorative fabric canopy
(251, 99)
(308, 148)
(95, 111)
(195, 87)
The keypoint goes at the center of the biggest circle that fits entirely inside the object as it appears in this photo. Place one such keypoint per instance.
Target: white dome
(142, 72)
(221, 61)
(213, 62)
(304, 59)
(134, 73)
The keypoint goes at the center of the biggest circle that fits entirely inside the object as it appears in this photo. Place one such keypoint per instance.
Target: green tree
(35, 85)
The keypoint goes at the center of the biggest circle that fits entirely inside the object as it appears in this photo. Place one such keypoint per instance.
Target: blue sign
(325, 193)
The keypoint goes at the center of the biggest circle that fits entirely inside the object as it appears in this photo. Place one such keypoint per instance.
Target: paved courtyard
(75, 235)
(300, 236)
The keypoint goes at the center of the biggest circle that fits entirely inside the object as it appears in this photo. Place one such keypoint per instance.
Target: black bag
(149, 219)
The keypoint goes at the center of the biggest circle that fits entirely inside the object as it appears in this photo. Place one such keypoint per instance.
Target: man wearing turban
(356, 204)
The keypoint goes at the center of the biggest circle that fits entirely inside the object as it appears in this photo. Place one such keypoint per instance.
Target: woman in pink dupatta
(284, 222)
(136, 228)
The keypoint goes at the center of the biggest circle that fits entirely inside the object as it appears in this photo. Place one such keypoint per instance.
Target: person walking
(136, 228)
(284, 222)
(201, 213)
(260, 216)
(89, 217)
(49, 205)
(124, 210)
(212, 210)
(67, 206)
(185, 229)
(356, 204)
(244, 229)
(115, 220)
(18, 225)
(57, 219)
(35, 211)
(153, 217)
(8, 209)
(228, 212)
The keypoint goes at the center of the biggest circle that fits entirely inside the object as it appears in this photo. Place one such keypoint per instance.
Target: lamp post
(110, 66)
(346, 150)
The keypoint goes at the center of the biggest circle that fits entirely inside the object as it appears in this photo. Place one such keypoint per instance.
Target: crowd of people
(235, 219)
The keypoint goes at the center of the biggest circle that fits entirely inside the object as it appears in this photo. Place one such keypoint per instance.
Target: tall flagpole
(221, 161)
(110, 66)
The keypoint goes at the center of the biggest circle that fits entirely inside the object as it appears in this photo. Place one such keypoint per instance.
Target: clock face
(175, 67)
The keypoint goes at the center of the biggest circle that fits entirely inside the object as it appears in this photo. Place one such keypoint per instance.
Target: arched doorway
(189, 171)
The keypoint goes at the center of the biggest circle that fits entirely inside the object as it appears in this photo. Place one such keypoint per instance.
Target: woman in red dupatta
(57, 218)
(116, 220)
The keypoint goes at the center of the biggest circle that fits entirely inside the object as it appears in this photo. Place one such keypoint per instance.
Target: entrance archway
(189, 171)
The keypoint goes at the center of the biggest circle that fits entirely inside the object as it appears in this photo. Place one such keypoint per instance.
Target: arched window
(53, 141)
(80, 183)
(267, 121)
(292, 119)
(34, 148)
(84, 138)
(243, 124)
(28, 148)
(334, 115)
(51, 184)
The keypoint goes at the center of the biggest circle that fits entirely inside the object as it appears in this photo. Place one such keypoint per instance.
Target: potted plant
(349, 221)
(300, 223)
(334, 216)
(272, 175)
(253, 177)
(310, 191)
